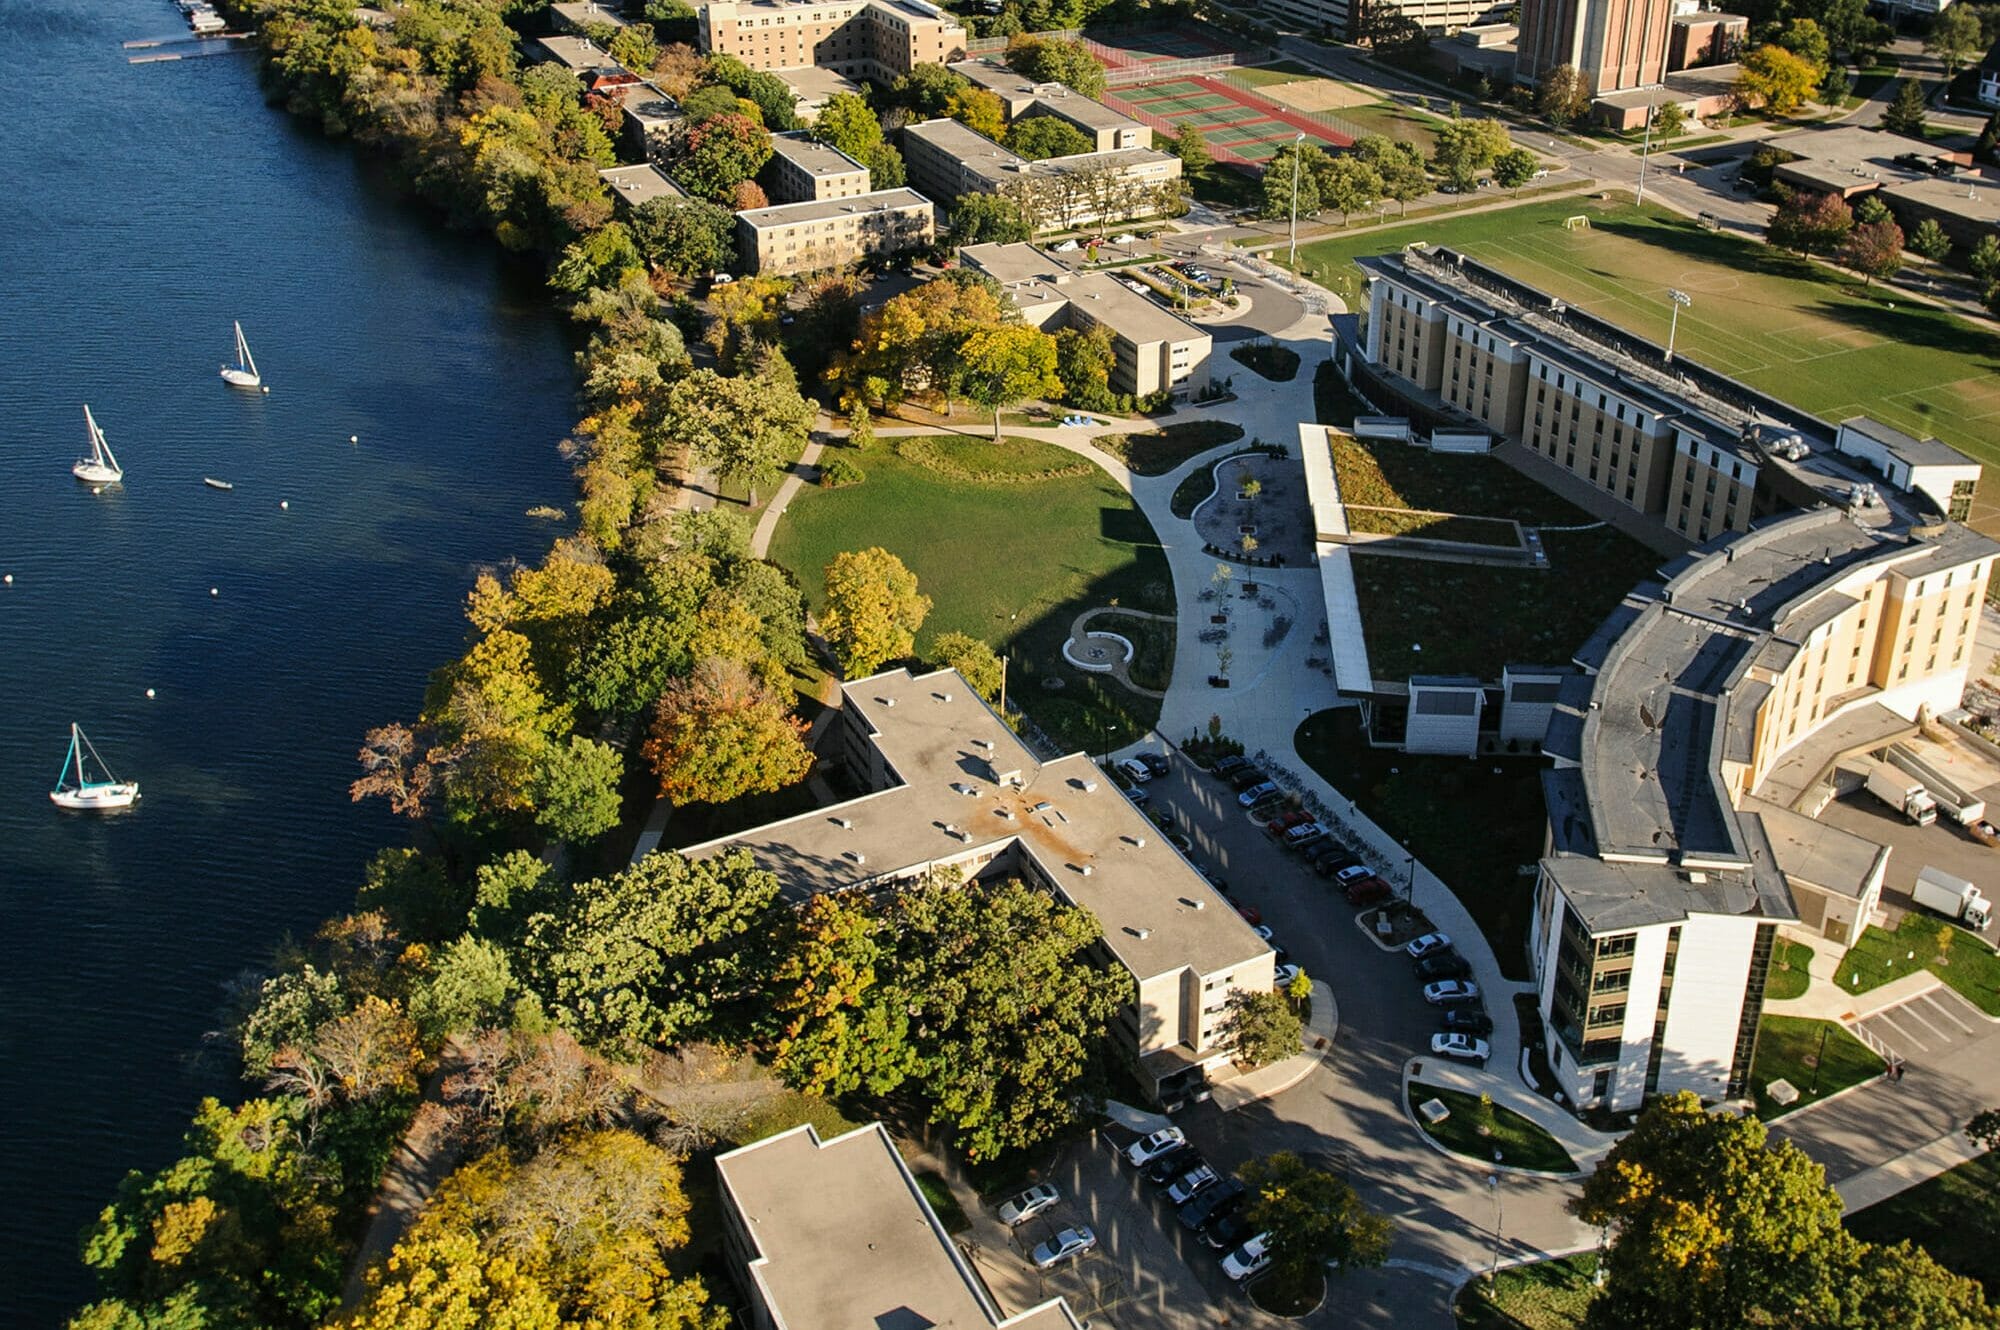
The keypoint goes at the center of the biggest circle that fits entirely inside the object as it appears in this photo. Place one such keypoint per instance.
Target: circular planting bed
(1290, 1294)
(1100, 653)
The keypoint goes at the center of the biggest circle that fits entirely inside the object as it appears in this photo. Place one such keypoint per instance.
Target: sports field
(1797, 330)
(1160, 45)
(1234, 121)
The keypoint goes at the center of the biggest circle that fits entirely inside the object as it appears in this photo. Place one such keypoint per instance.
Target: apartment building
(1733, 686)
(952, 786)
(1614, 44)
(836, 1235)
(1335, 18)
(1020, 96)
(874, 39)
(947, 160)
(634, 185)
(1152, 347)
(827, 233)
(1924, 466)
(804, 170)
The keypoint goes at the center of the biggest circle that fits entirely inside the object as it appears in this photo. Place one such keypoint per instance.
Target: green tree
(771, 95)
(1314, 1218)
(771, 595)
(1983, 262)
(1515, 168)
(598, 259)
(1468, 146)
(1776, 80)
(747, 429)
(1401, 166)
(684, 238)
(1262, 1027)
(711, 99)
(1192, 148)
(978, 219)
(976, 662)
(1806, 40)
(1084, 361)
(885, 167)
(1300, 163)
(634, 47)
(721, 733)
(837, 1034)
(576, 790)
(465, 987)
(1869, 208)
(873, 610)
(1669, 120)
(290, 1006)
(1930, 241)
(1348, 185)
(1058, 60)
(1906, 113)
(1563, 95)
(978, 110)
(928, 89)
(721, 152)
(1037, 137)
(1007, 365)
(849, 124)
(1955, 38)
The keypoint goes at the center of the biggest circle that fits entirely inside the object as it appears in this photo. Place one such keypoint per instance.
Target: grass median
(1923, 941)
(1819, 1058)
(1490, 1133)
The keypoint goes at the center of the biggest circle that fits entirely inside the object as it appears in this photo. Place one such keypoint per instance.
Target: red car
(1368, 890)
(1250, 915)
(1284, 822)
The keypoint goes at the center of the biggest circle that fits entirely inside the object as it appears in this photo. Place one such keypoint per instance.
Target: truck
(1926, 764)
(1902, 792)
(1953, 897)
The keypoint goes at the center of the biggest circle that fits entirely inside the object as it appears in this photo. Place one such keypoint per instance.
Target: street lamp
(1410, 878)
(1645, 148)
(1499, 1217)
(1298, 156)
(1681, 301)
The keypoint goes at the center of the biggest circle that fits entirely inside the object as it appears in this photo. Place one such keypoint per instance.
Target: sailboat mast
(243, 356)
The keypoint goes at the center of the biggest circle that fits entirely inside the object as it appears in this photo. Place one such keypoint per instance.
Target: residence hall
(947, 160)
(1712, 711)
(1152, 348)
(836, 1235)
(873, 39)
(1022, 98)
(950, 785)
(829, 233)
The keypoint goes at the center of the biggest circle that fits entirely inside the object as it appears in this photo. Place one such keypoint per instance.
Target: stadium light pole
(1298, 155)
(1644, 148)
(1681, 301)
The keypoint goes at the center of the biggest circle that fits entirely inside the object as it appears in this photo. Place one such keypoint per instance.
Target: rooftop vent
(1085, 870)
(1139, 841)
(944, 697)
(845, 823)
(1090, 787)
(857, 856)
(1142, 933)
(886, 701)
(1197, 904)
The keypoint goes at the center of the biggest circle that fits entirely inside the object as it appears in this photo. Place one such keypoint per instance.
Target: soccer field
(1799, 331)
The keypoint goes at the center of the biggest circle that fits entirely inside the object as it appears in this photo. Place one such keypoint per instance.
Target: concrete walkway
(767, 521)
(1826, 1001)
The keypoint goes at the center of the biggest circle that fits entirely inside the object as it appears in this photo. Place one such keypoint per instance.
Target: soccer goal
(1576, 223)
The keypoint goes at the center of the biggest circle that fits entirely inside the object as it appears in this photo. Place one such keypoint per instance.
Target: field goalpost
(1577, 223)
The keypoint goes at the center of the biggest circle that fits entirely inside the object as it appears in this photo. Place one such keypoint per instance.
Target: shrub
(840, 473)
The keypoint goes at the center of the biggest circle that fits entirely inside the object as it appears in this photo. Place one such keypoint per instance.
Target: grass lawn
(1519, 1142)
(1472, 828)
(1160, 451)
(1548, 1295)
(1784, 1045)
(1152, 640)
(938, 1192)
(1788, 971)
(1433, 526)
(1195, 487)
(1954, 1216)
(1970, 965)
(1392, 120)
(1796, 329)
(1009, 559)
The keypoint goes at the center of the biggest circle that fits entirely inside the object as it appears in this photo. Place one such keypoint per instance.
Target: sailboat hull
(96, 473)
(96, 798)
(241, 378)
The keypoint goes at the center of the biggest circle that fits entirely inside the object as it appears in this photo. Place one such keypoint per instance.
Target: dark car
(1217, 1201)
(1244, 777)
(1329, 865)
(1172, 1164)
(1230, 765)
(1367, 890)
(1156, 763)
(1467, 1020)
(1228, 1230)
(1443, 965)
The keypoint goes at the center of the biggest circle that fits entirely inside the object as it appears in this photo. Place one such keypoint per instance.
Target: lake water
(143, 208)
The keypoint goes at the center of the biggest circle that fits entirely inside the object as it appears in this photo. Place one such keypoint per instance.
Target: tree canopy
(873, 610)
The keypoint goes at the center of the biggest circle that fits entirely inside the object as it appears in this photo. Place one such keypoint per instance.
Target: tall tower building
(1615, 44)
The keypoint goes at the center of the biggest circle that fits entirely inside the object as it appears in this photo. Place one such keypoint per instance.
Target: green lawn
(1472, 828)
(1152, 640)
(1792, 328)
(1969, 965)
(1954, 1216)
(1788, 971)
(938, 1192)
(1159, 451)
(1008, 558)
(1196, 486)
(1548, 1295)
(1786, 1046)
(1518, 1141)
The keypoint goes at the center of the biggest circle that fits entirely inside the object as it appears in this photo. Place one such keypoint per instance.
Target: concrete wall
(1710, 975)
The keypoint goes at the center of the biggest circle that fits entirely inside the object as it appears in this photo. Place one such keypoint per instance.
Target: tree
(1930, 241)
(1986, 148)
(1392, 32)
(1058, 60)
(978, 219)
(1084, 361)
(1515, 168)
(1806, 40)
(1984, 260)
(1776, 80)
(1468, 146)
(771, 95)
(1906, 114)
(836, 1034)
(683, 238)
(633, 47)
(978, 110)
(848, 123)
(1193, 150)
(719, 152)
(885, 167)
(1315, 1219)
(720, 734)
(747, 428)
(1955, 38)
(1349, 185)
(1869, 208)
(1295, 163)
(1401, 166)
(1984, 1128)
(926, 89)
(598, 259)
(1037, 137)
(747, 196)
(873, 610)
(1811, 223)
(1007, 365)
(465, 987)
(1262, 1027)
(1564, 95)
(1669, 119)
(1873, 249)
(412, 888)
(709, 100)
(975, 661)
(911, 344)
(576, 790)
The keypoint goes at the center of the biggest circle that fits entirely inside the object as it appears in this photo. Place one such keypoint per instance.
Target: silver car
(1029, 1204)
(1064, 1246)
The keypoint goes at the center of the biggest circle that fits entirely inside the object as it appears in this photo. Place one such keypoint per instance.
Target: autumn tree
(1007, 365)
(1037, 137)
(1776, 80)
(1348, 185)
(1563, 96)
(978, 110)
(721, 733)
(976, 662)
(746, 428)
(912, 344)
(1261, 1027)
(873, 610)
(1873, 249)
(720, 152)
(1314, 1217)
(1466, 147)
(1811, 223)
(848, 123)
(836, 1034)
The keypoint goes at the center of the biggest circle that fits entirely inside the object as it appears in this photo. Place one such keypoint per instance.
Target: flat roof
(1613, 897)
(1818, 853)
(1975, 198)
(846, 1241)
(1032, 276)
(1708, 16)
(994, 77)
(574, 52)
(813, 210)
(813, 157)
(977, 153)
(1115, 159)
(967, 784)
(908, 8)
(580, 12)
(1908, 447)
(641, 184)
(813, 84)
(1056, 99)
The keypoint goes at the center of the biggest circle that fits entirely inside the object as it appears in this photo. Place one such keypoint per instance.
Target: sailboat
(100, 468)
(243, 374)
(75, 789)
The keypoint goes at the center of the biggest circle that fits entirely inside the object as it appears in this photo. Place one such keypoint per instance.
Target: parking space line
(1910, 1009)
(1943, 1009)
(1902, 1035)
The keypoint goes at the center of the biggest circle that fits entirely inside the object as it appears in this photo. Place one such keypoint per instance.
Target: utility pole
(1499, 1217)
(1681, 301)
(1298, 156)
(1644, 149)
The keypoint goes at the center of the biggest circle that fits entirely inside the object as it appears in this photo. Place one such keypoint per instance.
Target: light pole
(1298, 156)
(1644, 148)
(1499, 1217)
(1681, 301)
(1410, 878)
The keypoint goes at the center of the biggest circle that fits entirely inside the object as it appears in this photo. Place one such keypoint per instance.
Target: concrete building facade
(947, 160)
(804, 170)
(1705, 37)
(828, 233)
(1614, 44)
(876, 39)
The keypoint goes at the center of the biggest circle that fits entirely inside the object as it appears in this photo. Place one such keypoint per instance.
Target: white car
(1283, 976)
(1029, 1204)
(1451, 992)
(1263, 931)
(1191, 1184)
(1427, 944)
(1136, 770)
(1148, 1148)
(1249, 1259)
(1064, 1246)
(1462, 1046)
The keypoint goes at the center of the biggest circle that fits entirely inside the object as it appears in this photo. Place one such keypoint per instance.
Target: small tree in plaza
(1262, 1027)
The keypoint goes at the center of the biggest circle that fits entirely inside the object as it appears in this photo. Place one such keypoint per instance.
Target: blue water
(144, 207)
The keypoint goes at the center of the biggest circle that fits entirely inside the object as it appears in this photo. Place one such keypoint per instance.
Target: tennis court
(1236, 123)
(1129, 50)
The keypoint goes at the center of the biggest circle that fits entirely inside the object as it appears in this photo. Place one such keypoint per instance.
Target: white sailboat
(75, 790)
(243, 374)
(100, 468)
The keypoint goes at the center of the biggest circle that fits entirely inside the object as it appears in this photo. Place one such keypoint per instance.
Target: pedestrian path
(1826, 1001)
(1585, 1145)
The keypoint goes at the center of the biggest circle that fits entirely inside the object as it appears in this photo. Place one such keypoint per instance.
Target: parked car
(1148, 1148)
(1443, 965)
(1367, 890)
(1467, 1020)
(1227, 1230)
(1228, 766)
(1138, 771)
(1156, 763)
(1353, 873)
(1171, 1165)
(1451, 993)
(1029, 1204)
(1332, 852)
(1193, 1182)
(1304, 834)
(1251, 914)
(1258, 793)
(1427, 944)
(1282, 976)
(1249, 1259)
(1268, 807)
(1284, 822)
(1461, 1046)
(1245, 776)
(1064, 1246)
(1212, 1204)
(1139, 796)
(1262, 930)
